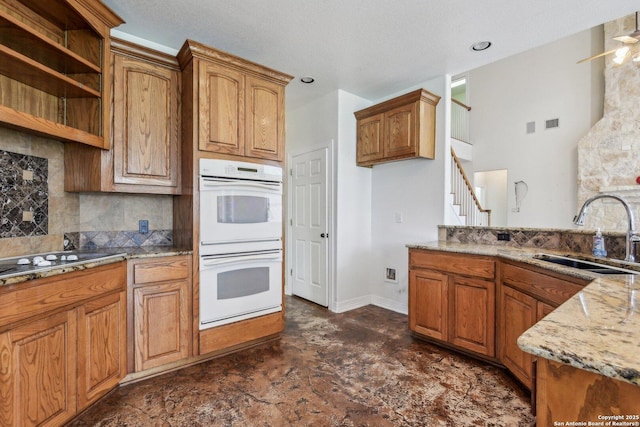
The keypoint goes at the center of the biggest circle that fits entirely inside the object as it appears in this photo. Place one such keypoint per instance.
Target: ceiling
(371, 48)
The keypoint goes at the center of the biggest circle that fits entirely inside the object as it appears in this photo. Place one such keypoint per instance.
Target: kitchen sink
(585, 265)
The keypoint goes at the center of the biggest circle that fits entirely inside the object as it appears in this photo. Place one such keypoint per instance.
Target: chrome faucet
(632, 236)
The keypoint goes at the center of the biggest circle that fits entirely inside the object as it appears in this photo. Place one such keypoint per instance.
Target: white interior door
(309, 228)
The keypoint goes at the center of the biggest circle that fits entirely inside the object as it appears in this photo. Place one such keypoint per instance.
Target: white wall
(540, 84)
(312, 123)
(353, 210)
(331, 118)
(414, 189)
(495, 187)
(367, 237)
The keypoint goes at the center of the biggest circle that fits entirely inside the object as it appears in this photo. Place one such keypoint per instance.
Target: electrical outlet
(143, 226)
(504, 237)
(390, 275)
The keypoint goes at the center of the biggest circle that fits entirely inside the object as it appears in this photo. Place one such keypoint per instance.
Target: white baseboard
(385, 303)
(389, 304)
(352, 304)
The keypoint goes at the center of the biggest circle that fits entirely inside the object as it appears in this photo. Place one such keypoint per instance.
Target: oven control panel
(239, 170)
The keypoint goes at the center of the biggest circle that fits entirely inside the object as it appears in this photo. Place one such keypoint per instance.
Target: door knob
(324, 235)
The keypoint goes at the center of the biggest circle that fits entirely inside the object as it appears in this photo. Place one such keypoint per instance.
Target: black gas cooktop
(10, 267)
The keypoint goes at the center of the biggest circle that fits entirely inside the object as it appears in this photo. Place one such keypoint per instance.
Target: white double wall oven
(240, 241)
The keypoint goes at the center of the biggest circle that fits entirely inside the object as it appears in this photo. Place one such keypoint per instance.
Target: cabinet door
(428, 302)
(369, 145)
(146, 123)
(161, 322)
(38, 372)
(517, 314)
(264, 119)
(472, 315)
(102, 353)
(222, 110)
(400, 131)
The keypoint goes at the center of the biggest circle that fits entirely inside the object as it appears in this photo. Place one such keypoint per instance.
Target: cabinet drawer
(170, 268)
(469, 265)
(541, 286)
(50, 293)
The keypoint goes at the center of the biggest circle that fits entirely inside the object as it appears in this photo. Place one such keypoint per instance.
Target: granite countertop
(155, 251)
(118, 254)
(597, 330)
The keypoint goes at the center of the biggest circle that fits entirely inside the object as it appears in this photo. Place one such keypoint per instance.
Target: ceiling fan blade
(596, 56)
(630, 39)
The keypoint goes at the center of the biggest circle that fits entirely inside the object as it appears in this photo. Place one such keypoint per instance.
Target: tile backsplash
(24, 200)
(72, 220)
(123, 239)
(573, 241)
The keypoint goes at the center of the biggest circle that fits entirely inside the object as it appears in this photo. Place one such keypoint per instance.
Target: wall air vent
(531, 127)
(552, 123)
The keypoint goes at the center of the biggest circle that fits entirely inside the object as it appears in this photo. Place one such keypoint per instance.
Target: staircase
(463, 199)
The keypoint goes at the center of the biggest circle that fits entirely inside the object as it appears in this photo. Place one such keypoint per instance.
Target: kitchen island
(595, 332)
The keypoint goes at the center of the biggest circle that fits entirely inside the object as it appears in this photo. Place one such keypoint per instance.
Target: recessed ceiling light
(307, 79)
(477, 47)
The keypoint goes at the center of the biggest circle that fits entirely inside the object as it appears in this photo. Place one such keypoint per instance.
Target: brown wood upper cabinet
(452, 299)
(232, 106)
(400, 128)
(54, 60)
(146, 123)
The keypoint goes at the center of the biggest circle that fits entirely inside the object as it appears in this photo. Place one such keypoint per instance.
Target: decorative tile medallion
(24, 195)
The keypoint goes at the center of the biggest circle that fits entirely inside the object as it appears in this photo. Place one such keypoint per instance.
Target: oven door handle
(216, 183)
(239, 259)
(220, 243)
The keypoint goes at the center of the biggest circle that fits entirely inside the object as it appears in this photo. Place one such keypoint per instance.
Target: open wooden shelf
(26, 122)
(25, 70)
(54, 69)
(21, 38)
(58, 13)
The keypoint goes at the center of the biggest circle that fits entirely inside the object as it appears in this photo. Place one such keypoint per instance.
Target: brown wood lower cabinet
(161, 316)
(428, 299)
(62, 344)
(37, 375)
(102, 342)
(517, 314)
(452, 299)
(460, 301)
(472, 314)
(526, 294)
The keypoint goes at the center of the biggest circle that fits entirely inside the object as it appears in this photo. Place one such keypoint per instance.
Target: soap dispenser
(599, 249)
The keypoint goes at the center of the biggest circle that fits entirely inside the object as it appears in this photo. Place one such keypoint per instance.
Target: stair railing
(459, 120)
(465, 196)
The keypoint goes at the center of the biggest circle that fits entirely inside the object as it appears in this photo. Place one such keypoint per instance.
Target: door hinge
(291, 172)
(291, 221)
(291, 272)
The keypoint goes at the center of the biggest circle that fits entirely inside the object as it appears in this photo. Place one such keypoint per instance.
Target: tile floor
(359, 368)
